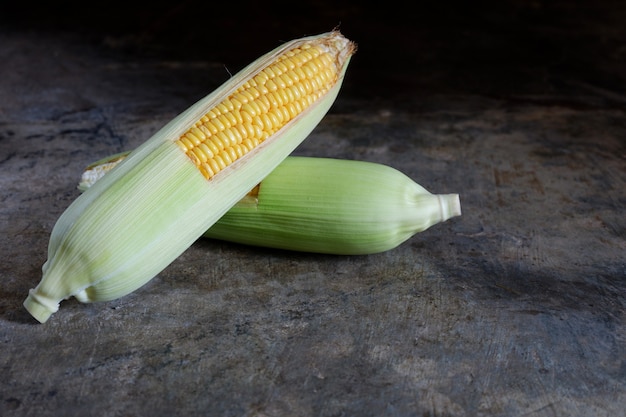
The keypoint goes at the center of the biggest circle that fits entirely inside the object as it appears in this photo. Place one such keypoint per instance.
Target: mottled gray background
(516, 308)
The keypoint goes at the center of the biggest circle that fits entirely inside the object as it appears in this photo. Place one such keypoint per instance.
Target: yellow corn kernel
(263, 105)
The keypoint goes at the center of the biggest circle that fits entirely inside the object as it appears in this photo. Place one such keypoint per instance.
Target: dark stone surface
(515, 308)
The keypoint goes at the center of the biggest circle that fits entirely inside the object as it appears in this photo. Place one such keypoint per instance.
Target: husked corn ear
(329, 206)
(151, 207)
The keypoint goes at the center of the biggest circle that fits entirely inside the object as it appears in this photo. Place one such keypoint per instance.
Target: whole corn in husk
(325, 205)
(150, 208)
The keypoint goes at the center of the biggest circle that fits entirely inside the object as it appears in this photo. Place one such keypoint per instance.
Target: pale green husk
(332, 206)
(145, 212)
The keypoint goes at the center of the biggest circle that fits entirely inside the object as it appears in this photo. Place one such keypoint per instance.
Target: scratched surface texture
(516, 308)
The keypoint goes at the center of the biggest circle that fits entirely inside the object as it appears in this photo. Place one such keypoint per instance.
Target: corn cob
(325, 205)
(141, 216)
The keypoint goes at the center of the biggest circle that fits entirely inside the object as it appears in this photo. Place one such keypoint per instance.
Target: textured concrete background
(516, 308)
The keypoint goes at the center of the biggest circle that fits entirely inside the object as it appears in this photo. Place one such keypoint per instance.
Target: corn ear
(328, 206)
(334, 206)
(151, 207)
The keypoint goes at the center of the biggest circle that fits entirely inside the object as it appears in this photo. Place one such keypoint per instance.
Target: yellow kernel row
(257, 109)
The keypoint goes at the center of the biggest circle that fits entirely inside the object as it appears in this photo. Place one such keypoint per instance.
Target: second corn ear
(325, 205)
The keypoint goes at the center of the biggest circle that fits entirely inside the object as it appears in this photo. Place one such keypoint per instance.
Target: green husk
(334, 206)
(328, 206)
